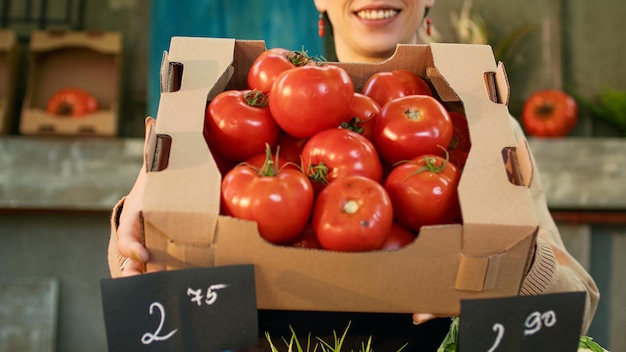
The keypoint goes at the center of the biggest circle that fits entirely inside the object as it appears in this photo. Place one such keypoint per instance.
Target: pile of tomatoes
(318, 164)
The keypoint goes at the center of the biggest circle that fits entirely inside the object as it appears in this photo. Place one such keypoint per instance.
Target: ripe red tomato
(73, 102)
(460, 145)
(384, 86)
(306, 239)
(337, 152)
(238, 124)
(411, 126)
(279, 200)
(362, 116)
(399, 236)
(223, 165)
(309, 99)
(290, 147)
(549, 113)
(352, 213)
(424, 192)
(272, 62)
(259, 161)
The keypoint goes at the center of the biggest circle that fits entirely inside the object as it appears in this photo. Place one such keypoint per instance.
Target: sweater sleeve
(115, 259)
(553, 269)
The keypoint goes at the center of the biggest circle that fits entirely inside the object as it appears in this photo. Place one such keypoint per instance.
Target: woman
(368, 31)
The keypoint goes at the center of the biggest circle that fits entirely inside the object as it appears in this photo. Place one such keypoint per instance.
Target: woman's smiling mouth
(376, 14)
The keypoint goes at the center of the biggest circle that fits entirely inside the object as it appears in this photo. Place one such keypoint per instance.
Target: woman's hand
(420, 318)
(129, 243)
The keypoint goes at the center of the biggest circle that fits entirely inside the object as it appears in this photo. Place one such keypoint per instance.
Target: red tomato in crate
(362, 116)
(290, 147)
(461, 144)
(306, 239)
(385, 86)
(260, 160)
(337, 152)
(549, 113)
(72, 102)
(399, 236)
(309, 99)
(411, 126)
(238, 124)
(424, 192)
(272, 62)
(352, 213)
(279, 200)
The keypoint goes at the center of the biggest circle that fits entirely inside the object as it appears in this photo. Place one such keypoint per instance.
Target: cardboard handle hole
(512, 166)
(174, 77)
(162, 150)
(492, 87)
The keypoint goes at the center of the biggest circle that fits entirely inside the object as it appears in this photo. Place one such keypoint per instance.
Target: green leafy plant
(610, 107)
(449, 343)
(293, 344)
(586, 343)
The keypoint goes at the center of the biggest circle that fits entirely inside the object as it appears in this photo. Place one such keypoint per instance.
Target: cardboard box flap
(181, 161)
(478, 273)
(104, 42)
(305, 279)
(416, 58)
(444, 91)
(207, 58)
(485, 168)
(481, 264)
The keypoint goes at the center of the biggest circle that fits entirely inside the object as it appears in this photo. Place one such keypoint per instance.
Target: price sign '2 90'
(530, 323)
(534, 322)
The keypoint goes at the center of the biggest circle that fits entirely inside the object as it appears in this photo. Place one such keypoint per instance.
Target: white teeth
(376, 14)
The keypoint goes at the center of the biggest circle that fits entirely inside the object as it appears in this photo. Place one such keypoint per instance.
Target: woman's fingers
(131, 268)
(420, 318)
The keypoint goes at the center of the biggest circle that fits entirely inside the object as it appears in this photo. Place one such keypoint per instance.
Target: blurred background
(56, 192)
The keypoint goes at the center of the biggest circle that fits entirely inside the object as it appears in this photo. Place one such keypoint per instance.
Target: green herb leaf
(450, 342)
(588, 343)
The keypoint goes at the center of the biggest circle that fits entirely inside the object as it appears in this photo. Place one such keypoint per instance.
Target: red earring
(428, 26)
(320, 26)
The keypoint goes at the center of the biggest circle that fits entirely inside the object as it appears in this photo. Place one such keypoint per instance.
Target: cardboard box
(485, 256)
(9, 59)
(87, 60)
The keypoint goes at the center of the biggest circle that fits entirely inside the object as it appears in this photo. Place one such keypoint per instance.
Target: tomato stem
(430, 164)
(299, 58)
(353, 125)
(256, 98)
(270, 166)
(414, 114)
(318, 173)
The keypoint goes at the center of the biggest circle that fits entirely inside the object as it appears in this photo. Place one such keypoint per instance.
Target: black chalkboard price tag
(541, 323)
(201, 309)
